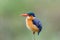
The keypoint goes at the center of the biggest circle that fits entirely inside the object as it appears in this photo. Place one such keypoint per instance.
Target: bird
(32, 22)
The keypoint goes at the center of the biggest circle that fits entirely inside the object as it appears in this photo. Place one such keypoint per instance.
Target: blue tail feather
(39, 31)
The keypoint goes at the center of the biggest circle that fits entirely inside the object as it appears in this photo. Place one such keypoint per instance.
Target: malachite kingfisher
(32, 22)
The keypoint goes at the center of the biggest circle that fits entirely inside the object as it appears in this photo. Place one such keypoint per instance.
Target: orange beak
(25, 15)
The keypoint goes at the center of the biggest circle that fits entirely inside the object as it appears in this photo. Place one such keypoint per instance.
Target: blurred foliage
(12, 25)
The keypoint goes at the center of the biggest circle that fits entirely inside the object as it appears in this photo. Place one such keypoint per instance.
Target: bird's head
(29, 15)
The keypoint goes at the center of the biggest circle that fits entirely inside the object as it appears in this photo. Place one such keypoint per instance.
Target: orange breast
(31, 26)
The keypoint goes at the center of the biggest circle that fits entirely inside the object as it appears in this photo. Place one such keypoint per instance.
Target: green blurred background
(12, 26)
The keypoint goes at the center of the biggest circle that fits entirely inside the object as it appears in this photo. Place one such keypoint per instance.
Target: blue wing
(38, 24)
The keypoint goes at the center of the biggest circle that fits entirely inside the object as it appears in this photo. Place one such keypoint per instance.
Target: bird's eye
(29, 15)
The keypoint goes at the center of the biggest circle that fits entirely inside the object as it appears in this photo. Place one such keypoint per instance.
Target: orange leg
(33, 32)
(33, 35)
